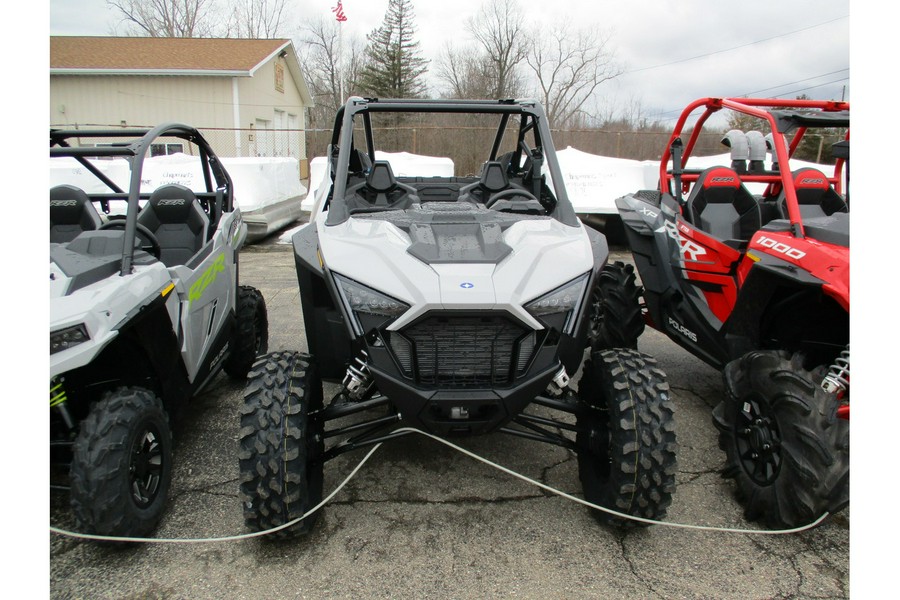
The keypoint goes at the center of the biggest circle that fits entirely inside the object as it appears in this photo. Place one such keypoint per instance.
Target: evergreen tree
(394, 65)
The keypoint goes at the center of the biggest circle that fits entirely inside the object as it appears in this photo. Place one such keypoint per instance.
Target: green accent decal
(209, 276)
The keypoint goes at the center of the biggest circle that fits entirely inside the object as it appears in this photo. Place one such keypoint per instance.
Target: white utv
(145, 309)
(456, 305)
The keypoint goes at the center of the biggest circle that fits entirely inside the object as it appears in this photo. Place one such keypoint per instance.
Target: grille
(458, 352)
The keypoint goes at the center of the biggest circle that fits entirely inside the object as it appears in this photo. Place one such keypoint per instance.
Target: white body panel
(100, 307)
(545, 254)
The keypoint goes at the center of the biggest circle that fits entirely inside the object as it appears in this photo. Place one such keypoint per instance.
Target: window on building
(165, 149)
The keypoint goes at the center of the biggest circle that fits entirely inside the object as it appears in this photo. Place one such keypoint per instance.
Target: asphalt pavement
(423, 521)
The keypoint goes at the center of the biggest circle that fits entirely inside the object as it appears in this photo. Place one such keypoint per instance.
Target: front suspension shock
(58, 401)
(837, 381)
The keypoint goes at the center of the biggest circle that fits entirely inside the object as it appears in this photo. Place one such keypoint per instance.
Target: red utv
(747, 266)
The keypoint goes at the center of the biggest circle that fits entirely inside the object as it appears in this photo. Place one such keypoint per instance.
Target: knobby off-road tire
(616, 317)
(281, 444)
(626, 437)
(785, 446)
(251, 332)
(122, 465)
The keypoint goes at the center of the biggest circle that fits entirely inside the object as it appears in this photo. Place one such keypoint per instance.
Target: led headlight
(567, 299)
(361, 299)
(68, 337)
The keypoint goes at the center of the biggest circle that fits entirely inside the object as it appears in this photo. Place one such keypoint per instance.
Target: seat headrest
(810, 179)
(493, 179)
(172, 203)
(381, 177)
(67, 204)
(719, 177)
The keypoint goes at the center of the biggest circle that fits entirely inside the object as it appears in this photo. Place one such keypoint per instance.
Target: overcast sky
(672, 51)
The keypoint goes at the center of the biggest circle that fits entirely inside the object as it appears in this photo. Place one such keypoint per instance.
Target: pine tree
(394, 66)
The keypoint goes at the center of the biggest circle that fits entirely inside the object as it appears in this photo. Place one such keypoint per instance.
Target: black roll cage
(533, 118)
(134, 147)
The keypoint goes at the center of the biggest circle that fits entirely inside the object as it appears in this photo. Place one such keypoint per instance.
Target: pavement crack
(546, 470)
(692, 476)
(620, 538)
(207, 489)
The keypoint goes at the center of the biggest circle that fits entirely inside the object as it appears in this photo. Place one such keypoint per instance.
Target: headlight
(362, 299)
(68, 337)
(567, 299)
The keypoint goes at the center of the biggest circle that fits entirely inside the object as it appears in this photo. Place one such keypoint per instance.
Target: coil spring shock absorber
(837, 380)
(358, 379)
(58, 401)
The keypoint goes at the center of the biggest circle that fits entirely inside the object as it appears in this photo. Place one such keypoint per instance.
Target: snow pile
(403, 164)
(593, 182)
(258, 181)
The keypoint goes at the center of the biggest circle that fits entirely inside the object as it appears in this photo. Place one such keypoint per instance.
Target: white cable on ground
(543, 486)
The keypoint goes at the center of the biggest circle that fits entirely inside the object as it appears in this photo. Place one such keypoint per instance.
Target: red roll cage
(757, 107)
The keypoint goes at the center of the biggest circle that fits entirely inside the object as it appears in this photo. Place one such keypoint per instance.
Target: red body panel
(827, 262)
(708, 261)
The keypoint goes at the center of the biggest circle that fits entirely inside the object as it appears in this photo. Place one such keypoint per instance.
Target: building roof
(74, 55)
(160, 54)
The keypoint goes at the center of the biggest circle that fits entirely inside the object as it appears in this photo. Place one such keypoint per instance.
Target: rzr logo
(172, 202)
(63, 202)
(781, 248)
(689, 250)
(208, 276)
(812, 182)
(721, 180)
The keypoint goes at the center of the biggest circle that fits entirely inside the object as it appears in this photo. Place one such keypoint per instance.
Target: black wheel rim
(758, 441)
(146, 468)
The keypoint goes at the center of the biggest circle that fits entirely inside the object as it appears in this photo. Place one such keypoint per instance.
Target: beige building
(248, 96)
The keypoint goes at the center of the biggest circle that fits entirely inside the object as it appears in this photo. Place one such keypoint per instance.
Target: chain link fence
(468, 146)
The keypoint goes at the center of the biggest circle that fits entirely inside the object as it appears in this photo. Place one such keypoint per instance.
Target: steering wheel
(511, 193)
(151, 245)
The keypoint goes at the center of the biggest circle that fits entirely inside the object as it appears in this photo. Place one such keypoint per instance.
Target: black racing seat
(174, 215)
(720, 205)
(71, 212)
(381, 191)
(815, 196)
(492, 180)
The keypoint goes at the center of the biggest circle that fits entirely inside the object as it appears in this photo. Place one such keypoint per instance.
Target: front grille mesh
(459, 352)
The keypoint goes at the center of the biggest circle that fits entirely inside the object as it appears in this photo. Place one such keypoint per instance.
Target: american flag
(339, 12)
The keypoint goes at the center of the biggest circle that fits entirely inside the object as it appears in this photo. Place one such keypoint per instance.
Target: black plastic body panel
(327, 334)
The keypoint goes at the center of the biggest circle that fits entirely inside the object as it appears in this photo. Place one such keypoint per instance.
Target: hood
(457, 260)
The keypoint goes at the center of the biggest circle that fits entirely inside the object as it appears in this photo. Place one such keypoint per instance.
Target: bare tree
(166, 18)
(500, 31)
(464, 72)
(321, 58)
(488, 68)
(257, 19)
(569, 66)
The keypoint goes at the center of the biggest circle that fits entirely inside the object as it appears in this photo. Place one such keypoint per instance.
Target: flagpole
(341, 58)
(341, 17)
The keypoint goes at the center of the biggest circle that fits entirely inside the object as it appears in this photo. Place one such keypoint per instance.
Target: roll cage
(783, 117)
(134, 146)
(532, 120)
